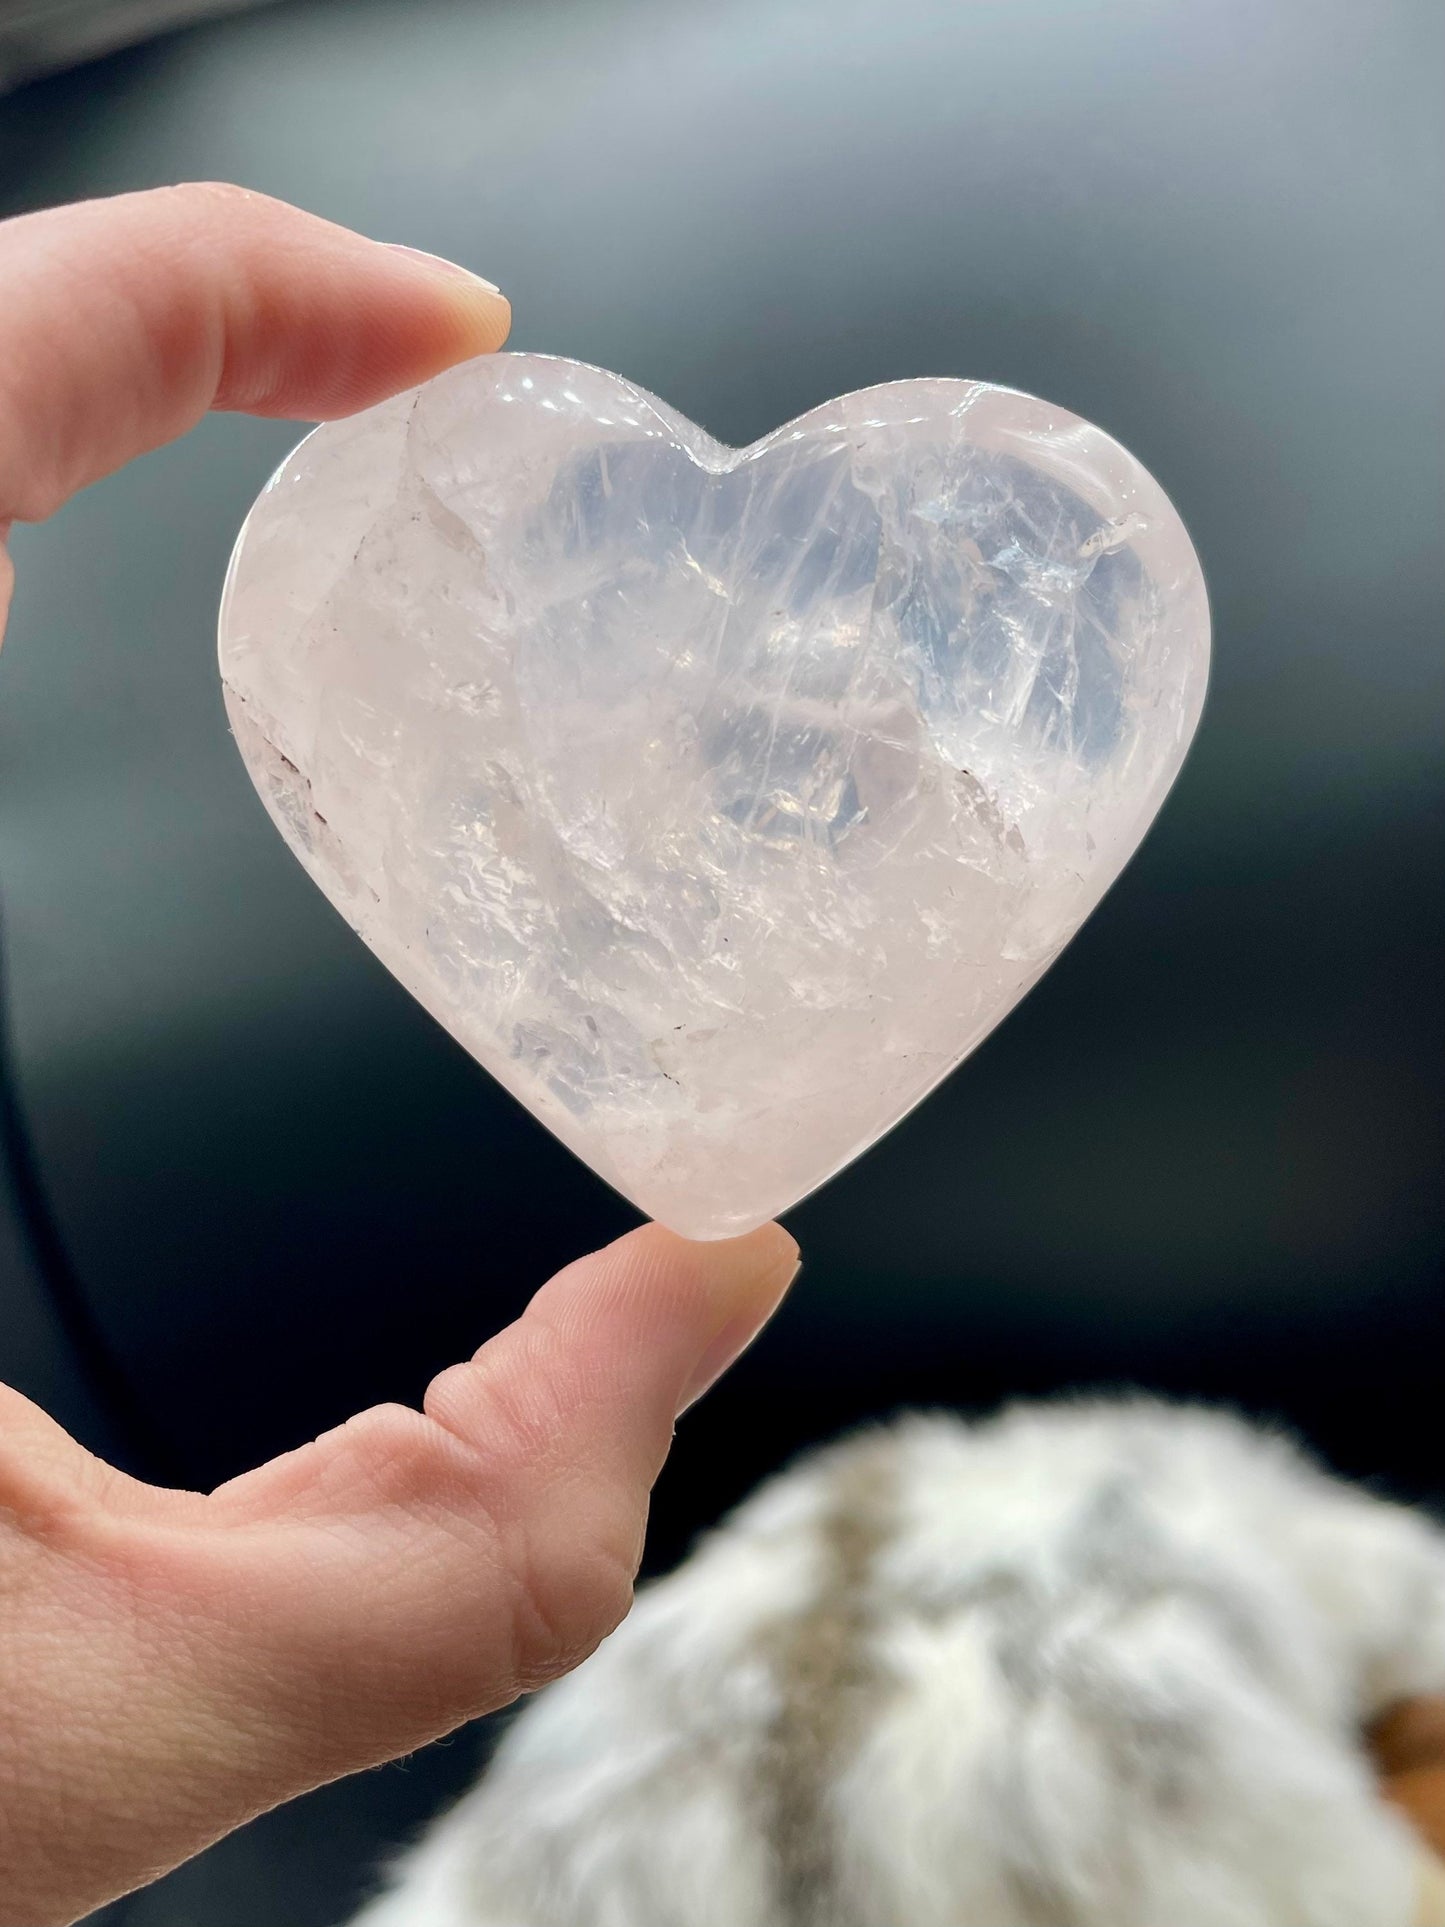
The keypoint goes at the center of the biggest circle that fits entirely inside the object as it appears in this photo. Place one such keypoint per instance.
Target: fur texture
(1081, 1666)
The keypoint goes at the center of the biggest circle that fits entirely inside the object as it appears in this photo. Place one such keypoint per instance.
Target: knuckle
(576, 1586)
(520, 1410)
(397, 1457)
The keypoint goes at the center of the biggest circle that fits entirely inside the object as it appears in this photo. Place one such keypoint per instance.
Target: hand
(173, 1663)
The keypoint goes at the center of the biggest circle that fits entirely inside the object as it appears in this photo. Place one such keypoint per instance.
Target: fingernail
(733, 1340)
(442, 265)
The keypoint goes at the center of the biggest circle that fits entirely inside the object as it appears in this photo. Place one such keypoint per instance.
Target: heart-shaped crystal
(718, 801)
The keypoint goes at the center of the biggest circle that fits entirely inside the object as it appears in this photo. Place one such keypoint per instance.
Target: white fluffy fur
(1111, 1665)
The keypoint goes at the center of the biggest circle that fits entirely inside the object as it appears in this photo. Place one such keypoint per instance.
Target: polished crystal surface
(718, 801)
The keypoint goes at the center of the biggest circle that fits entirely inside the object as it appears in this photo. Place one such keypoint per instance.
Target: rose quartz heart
(718, 801)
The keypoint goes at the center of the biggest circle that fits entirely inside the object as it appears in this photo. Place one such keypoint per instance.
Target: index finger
(125, 320)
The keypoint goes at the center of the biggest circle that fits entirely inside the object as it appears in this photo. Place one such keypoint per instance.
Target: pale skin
(172, 1663)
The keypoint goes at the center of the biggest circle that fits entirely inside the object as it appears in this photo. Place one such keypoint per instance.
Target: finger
(44, 1471)
(124, 320)
(454, 1558)
(363, 1595)
(528, 1473)
(614, 1348)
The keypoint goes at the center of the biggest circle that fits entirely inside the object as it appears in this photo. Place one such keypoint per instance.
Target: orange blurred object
(1408, 1745)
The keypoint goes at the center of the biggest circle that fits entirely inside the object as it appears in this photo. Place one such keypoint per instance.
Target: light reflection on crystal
(718, 801)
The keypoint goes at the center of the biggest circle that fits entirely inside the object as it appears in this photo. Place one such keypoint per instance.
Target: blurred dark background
(248, 1187)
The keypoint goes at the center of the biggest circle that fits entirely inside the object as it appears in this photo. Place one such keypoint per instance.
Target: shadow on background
(1204, 1156)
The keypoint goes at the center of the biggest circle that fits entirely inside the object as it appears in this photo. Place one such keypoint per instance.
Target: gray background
(248, 1186)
